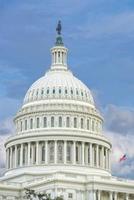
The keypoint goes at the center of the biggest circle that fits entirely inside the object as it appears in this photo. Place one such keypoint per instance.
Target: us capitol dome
(59, 146)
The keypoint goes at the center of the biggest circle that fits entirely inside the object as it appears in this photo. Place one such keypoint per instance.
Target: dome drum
(58, 151)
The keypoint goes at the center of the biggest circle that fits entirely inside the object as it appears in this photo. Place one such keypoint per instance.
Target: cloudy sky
(100, 38)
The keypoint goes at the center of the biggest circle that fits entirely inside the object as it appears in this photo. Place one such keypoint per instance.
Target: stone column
(115, 196)
(11, 157)
(65, 152)
(99, 195)
(91, 155)
(46, 152)
(127, 197)
(32, 153)
(29, 145)
(74, 153)
(8, 158)
(15, 157)
(103, 164)
(93, 149)
(109, 159)
(97, 155)
(55, 152)
(110, 195)
(37, 152)
(21, 155)
(83, 153)
(106, 159)
(94, 195)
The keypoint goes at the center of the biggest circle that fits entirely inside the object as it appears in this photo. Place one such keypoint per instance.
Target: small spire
(59, 41)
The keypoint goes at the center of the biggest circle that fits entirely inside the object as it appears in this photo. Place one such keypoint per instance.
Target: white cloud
(6, 129)
(107, 25)
(119, 119)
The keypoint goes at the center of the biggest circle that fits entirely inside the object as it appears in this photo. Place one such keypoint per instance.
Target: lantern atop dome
(59, 52)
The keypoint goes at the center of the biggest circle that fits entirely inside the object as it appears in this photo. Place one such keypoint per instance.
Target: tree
(32, 195)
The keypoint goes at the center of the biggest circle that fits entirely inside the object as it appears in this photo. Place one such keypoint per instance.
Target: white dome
(58, 84)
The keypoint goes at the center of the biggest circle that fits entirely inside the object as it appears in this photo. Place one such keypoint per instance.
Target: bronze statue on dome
(59, 27)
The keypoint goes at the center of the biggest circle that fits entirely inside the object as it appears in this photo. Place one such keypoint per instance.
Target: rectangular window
(70, 195)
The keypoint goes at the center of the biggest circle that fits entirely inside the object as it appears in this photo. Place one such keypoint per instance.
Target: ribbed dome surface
(58, 84)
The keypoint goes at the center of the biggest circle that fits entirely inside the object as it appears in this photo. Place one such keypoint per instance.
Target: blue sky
(100, 38)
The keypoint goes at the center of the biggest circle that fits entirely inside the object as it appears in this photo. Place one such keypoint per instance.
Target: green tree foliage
(32, 195)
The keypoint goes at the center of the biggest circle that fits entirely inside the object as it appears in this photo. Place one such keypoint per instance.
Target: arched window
(21, 125)
(52, 121)
(37, 92)
(45, 122)
(96, 126)
(51, 152)
(31, 123)
(47, 91)
(53, 91)
(42, 92)
(59, 91)
(65, 91)
(92, 125)
(68, 122)
(60, 121)
(82, 123)
(69, 152)
(60, 152)
(87, 124)
(77, 92)
(25, 124)
(43, 153)
(71, 92)
(75, 122)
(38, 123)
